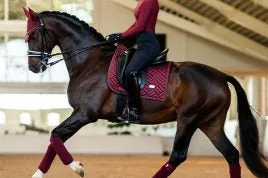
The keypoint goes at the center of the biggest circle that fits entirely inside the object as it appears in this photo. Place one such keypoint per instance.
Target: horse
(198, 95)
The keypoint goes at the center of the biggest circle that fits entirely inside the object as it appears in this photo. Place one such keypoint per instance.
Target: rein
(44, 56)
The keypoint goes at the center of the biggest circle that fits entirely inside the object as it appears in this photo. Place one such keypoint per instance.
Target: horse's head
(39, 41)
(47, 29)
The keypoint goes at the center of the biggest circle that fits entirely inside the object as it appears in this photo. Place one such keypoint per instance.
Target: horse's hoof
(80, 170)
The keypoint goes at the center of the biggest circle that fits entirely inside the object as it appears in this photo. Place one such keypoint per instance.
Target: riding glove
(114, 38)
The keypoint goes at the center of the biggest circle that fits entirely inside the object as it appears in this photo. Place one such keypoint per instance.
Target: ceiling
(241, 25)
(240, 16)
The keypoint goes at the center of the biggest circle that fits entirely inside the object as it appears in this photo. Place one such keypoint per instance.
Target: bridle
(45, 56)
(42, 55)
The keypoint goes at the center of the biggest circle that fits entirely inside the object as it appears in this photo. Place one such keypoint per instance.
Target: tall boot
(134, 100)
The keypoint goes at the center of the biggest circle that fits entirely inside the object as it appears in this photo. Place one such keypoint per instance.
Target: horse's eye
(34, 36)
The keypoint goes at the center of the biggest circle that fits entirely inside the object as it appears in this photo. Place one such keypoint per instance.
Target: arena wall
(105, 145)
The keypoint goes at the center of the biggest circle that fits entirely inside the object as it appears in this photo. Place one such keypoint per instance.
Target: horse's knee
(55, 133)
(178, 157)
(69, 127)
(58, 132)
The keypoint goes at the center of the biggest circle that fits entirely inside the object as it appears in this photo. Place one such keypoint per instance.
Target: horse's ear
(33, 15)
(26, 12)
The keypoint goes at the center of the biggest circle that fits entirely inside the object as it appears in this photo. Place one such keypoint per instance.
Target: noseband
(45, 56)
(42, 55)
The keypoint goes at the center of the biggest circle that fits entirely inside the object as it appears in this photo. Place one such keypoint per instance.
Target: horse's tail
(248, 132)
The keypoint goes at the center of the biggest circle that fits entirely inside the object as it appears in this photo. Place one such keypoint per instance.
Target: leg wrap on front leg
(47, 159)
(61, 150)
(63, 132)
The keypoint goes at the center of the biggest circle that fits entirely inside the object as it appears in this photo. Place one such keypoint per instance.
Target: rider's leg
(134, 101)
(148, 47)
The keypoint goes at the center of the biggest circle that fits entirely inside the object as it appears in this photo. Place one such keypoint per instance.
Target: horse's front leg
(59, 135)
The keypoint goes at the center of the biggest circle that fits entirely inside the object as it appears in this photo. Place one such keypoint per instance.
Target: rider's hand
(114, 38)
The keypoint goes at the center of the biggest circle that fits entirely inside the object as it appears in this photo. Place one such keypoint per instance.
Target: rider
(147, 48)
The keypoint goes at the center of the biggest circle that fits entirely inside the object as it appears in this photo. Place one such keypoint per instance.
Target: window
(14, 66)
(15, 9)
(1, 10)
(53, 119)
(15, 62)
(81, 9)
(39, 6)
(2, 118)
(25, 118)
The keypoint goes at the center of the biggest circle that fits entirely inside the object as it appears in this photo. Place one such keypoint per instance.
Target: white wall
(265, 141)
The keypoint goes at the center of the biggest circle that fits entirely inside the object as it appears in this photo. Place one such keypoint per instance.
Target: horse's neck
(77, 42)
(70, 38)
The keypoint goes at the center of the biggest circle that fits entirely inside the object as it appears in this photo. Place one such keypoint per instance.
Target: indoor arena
(133, 88)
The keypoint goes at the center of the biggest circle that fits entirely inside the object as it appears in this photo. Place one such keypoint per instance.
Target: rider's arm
(142, 20)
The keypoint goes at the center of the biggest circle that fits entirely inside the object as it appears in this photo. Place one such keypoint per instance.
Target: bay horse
(198, 95)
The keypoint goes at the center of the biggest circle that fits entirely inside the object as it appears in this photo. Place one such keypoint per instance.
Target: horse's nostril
(33, 69)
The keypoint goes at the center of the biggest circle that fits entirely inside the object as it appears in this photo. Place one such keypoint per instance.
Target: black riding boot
(134, 101)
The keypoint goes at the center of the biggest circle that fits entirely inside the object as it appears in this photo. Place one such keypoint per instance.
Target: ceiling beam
(209, 29)
(239, 17)
(237, 41)
(263, 3)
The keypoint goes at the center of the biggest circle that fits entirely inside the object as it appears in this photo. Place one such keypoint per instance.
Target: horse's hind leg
(182, 139)
(215, 132)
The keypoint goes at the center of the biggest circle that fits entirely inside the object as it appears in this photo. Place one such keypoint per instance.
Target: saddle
(153, 80)
(126, 56)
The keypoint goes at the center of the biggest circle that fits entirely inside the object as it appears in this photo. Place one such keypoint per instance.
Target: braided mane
(98, 35)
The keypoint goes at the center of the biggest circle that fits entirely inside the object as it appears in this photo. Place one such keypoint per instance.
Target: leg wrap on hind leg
(61, 150)
(47, 159)
(235, 170)
(165, 171)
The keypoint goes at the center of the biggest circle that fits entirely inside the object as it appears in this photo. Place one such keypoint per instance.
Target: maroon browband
(32, 23)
